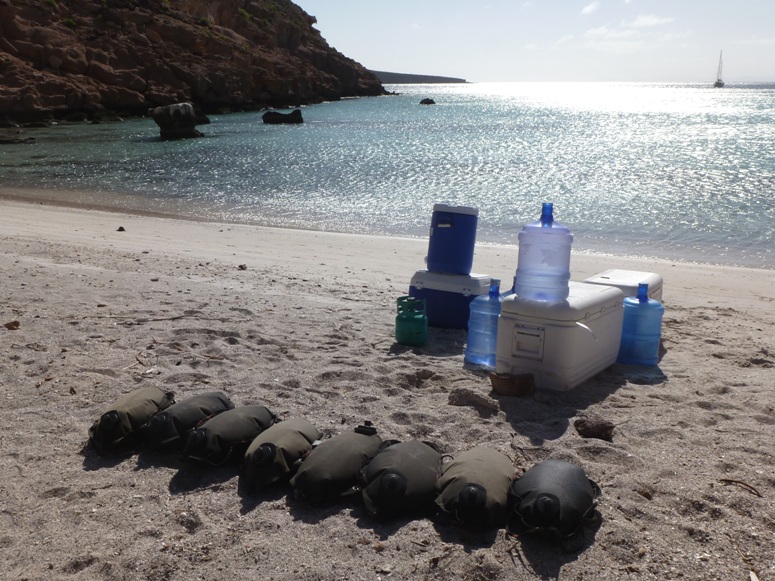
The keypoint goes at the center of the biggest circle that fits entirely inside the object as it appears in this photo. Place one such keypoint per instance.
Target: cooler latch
(528, 342)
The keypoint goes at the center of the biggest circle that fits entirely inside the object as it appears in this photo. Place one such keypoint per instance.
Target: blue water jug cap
(642, 301)
(643, 292)
(495, 287)
(546, 224)
(547, 215)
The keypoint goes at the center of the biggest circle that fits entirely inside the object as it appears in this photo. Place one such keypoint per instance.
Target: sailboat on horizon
(719, 81)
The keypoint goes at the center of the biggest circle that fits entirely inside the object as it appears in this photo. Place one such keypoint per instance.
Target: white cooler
(561, 343)
(628, 281)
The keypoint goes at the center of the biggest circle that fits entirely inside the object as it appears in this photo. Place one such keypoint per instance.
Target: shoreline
(303, 322)
(497, 260)
(48, 197)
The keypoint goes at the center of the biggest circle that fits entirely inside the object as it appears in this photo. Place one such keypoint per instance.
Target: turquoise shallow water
(683, 172)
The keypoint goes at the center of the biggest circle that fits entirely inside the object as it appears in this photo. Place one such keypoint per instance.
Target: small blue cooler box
(448, 296)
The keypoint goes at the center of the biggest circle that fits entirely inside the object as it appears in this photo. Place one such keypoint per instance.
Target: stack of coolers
(448, 285)
(561, 332)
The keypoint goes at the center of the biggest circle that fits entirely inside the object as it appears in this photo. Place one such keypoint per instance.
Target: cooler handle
(444, 221)
(583, 326)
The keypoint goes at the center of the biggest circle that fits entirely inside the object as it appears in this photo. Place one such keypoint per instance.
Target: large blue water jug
(543, 266)
(452, 238)
(641, 329)
(483, 327)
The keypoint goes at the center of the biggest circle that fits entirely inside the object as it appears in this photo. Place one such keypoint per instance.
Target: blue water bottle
(483, 327)
(543, 267)
(641, 329)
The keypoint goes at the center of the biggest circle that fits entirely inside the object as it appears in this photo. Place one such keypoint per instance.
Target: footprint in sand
(766, 420)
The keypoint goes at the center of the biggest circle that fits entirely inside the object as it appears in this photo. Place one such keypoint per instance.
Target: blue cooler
(448, 296)
(452, 238)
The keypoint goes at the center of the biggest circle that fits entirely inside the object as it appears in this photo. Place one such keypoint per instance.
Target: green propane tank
(411, 321)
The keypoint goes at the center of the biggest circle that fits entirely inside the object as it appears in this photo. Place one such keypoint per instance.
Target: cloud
(603, 32)
(613, 40)
(638, 35)
(758, 41)
(647, 20)
(590, 8)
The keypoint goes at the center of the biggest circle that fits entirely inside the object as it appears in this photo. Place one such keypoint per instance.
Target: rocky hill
(60, 57)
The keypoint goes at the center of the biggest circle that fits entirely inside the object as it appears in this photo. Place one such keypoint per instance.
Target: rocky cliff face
(125, 56)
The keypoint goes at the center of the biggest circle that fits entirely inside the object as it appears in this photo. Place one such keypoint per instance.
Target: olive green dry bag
(168, 429)
(227, 435)
(400, 479)
(121, 426)
(474, 487)
(330, 471)
(277, 452)
(554, 498)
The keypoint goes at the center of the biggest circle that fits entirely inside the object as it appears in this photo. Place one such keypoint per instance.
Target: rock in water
(178, 121)
(275, 117)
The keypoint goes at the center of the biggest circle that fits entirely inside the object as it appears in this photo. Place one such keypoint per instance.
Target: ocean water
(683, 172)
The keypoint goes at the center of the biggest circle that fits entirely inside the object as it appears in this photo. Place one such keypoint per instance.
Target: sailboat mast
(719, 81)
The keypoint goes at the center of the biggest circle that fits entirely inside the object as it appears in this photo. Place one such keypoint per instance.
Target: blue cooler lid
(465, 284)
(468, 210)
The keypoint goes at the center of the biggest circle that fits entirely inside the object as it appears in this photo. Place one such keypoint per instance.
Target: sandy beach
(303, 323)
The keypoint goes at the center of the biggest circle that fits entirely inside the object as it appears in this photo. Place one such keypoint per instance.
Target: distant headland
(406, 78)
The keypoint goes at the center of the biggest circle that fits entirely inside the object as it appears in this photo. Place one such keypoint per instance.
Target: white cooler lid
(584, 300)
(466, 284)
(627, 278)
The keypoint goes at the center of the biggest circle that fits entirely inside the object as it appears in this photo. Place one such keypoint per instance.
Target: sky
(555, 40)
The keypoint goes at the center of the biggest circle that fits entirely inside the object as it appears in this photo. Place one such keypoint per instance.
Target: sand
(303, 322)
